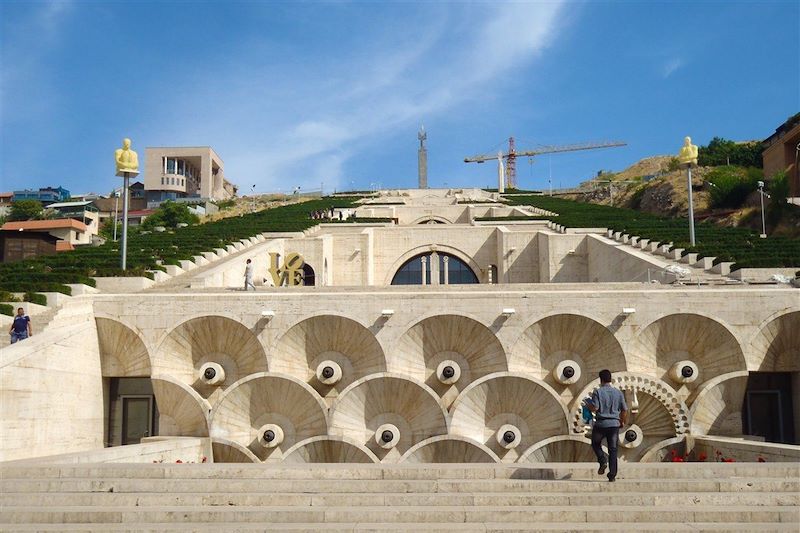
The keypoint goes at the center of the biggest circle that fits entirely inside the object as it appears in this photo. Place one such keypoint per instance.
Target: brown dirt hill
(666, 195)
(248, 204)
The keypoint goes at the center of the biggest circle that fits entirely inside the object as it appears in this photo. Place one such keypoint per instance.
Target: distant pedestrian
(248, 275)
(21, 327)
(611, 411)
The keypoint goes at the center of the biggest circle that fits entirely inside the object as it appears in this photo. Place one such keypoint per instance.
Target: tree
(725, 152)
(25, 210)
(169, 215)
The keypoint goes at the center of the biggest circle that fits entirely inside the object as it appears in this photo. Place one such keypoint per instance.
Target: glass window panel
(410, 273)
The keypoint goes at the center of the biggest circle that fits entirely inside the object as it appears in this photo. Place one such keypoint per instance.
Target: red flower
(761, 459)
(730, 460)
(179, 461)
(702, 456)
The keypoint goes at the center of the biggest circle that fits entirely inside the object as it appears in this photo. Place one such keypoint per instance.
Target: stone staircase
(430, 497)
(39, 322)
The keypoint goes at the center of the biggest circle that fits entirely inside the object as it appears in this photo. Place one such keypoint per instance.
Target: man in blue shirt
(21, 327)
(611, 411)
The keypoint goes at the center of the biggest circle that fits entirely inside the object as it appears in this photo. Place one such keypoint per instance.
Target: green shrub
(25, 210)
(169, 215)
(107, 229)
(226, 204)
(732, 185)
(7, 309)
(779, 189)
(674, 164)
(6, 296)
(35, 298)
(635, 201)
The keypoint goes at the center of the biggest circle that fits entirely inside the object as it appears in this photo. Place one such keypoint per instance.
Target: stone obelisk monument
(422, 159)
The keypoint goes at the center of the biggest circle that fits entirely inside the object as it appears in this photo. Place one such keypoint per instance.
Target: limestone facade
(355, 369)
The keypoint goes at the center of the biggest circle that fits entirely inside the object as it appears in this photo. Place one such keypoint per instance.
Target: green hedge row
(6, 296)
(7, 309)
(35, 298)
(741, 246)
(151, 251)
(363, 220)
(515, 217)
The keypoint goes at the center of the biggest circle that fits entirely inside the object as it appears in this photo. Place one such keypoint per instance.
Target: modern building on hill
(175, 173)
(464, 330)
(782, 153)
(46, 195)
(72, 232)
(83, 211)
(6, 199)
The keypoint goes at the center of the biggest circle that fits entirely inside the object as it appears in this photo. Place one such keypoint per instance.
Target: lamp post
(127, 167)
(691, 204)
(116, 212)
(688, 158)
(126, 178)
(763, 220)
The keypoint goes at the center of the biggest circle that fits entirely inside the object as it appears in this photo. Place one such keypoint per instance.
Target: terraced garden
(741, 246)
(153, 251)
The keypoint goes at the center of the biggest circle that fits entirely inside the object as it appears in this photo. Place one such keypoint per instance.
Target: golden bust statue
(688, 153)
(126, 159)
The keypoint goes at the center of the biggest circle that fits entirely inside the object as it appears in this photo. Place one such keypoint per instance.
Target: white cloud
(671, 66)
(288, 126)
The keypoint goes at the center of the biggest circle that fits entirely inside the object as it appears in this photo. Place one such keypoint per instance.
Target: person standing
(21, 327)
(611, 411)
(248, 275)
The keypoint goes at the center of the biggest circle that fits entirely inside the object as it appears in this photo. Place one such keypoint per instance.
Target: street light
(253, 196)
(763, 220)
(116, 212)
(688, 157)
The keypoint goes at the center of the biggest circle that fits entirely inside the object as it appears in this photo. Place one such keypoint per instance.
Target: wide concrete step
(417, 514)
(393, 486)
(189, 499)
(402, 527)
(319, 498)
(554, 471)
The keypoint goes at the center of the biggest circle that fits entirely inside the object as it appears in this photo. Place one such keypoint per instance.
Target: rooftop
(45, 225)
(69, 204)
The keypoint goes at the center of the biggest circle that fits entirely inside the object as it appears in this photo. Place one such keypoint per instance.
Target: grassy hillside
(152, 251)
(742, 246)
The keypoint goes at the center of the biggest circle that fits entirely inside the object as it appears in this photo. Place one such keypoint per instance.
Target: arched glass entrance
(309, 278)
(421, 269)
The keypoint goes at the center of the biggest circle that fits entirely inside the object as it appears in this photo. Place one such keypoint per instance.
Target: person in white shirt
(248, 275)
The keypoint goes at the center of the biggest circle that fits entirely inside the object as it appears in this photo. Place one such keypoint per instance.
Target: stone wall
(52, 389)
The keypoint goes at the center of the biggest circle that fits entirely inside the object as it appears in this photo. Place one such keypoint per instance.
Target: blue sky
(301, 93)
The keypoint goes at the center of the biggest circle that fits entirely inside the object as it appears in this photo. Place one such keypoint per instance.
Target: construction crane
(512, 155)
